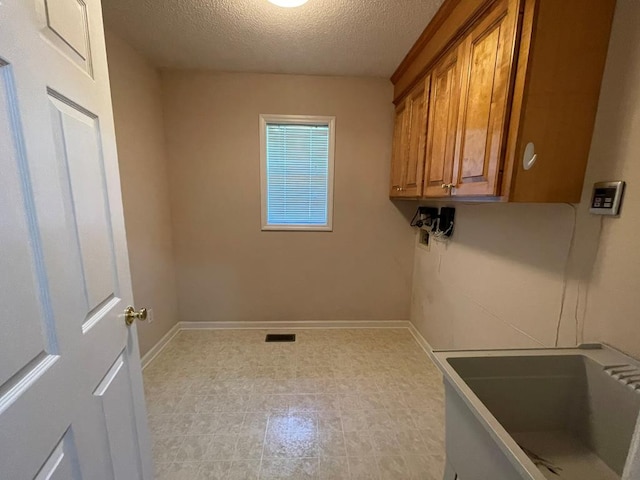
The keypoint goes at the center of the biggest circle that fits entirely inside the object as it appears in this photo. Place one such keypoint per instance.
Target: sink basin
(540, 414)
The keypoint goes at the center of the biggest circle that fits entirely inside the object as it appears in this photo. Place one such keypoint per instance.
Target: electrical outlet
(424, 239)
(150, 315)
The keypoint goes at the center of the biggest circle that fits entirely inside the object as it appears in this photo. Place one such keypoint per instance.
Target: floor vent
(280, 337)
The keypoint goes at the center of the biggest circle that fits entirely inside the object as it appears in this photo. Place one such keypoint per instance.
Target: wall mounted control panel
(606, 198)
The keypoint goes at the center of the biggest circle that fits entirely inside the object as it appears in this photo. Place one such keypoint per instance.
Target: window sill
(296, 228)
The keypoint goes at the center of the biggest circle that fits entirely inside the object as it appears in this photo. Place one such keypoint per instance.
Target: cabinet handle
(444, 185)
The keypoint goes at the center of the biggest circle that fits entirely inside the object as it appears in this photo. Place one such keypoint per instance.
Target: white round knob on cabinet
(530, 156)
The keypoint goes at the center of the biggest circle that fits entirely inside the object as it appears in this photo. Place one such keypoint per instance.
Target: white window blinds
(297, 168)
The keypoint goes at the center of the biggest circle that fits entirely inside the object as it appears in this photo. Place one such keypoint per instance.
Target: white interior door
(71, 401)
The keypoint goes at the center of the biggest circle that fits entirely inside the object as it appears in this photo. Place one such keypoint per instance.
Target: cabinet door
(442, 124)
(413, 175)
(400, 151)
(486, 59)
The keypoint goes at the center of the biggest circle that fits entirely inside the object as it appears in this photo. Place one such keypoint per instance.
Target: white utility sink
(565, 414)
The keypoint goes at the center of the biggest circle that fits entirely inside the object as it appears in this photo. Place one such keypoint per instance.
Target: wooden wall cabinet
(441, 124)
(407, 163)
(400, 151)
(489, 76)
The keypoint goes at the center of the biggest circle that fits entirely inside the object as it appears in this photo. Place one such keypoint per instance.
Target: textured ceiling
(323, 37)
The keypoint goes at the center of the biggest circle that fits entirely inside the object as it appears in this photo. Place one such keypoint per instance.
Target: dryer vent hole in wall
(280, 337)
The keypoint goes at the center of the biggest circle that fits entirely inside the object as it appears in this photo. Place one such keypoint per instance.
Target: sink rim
(604, 355)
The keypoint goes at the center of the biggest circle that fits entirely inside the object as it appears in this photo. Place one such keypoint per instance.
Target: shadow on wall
(500, 281)
(407, 208)
(535, 235)
(618, 87)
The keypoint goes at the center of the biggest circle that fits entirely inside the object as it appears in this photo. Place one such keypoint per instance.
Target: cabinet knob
(444, 185)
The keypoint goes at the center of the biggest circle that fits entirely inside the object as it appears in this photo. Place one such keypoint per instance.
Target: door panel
(27, 326)
(66, 25)
(441, 127)
(62, 464)
(414, 169)
(79, 153)
(398, 159)
(478, 107)
(116, 401)
(64, 272)
(486, 67)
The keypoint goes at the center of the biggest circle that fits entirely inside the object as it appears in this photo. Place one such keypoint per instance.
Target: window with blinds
(297, 172)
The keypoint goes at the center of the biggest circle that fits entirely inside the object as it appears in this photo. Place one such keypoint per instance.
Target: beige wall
(136, 94)
(613, 307)
(228, 270)
(499, 282)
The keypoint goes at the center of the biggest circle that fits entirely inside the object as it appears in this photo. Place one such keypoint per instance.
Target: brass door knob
(130, 314)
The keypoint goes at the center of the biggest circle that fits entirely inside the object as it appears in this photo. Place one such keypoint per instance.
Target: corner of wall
(140, 137)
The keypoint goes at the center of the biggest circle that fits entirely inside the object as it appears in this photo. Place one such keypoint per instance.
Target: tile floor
(336, 404)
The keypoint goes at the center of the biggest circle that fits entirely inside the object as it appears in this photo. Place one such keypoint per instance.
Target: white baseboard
(421, 340)
(148, 357)
(294, 325)
(311, 324)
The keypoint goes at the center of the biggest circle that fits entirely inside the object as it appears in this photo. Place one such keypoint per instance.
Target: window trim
(297, 120)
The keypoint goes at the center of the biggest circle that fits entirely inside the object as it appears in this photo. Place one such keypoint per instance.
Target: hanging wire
(566, 271)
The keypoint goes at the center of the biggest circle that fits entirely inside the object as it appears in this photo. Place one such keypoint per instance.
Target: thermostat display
(606, 198)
